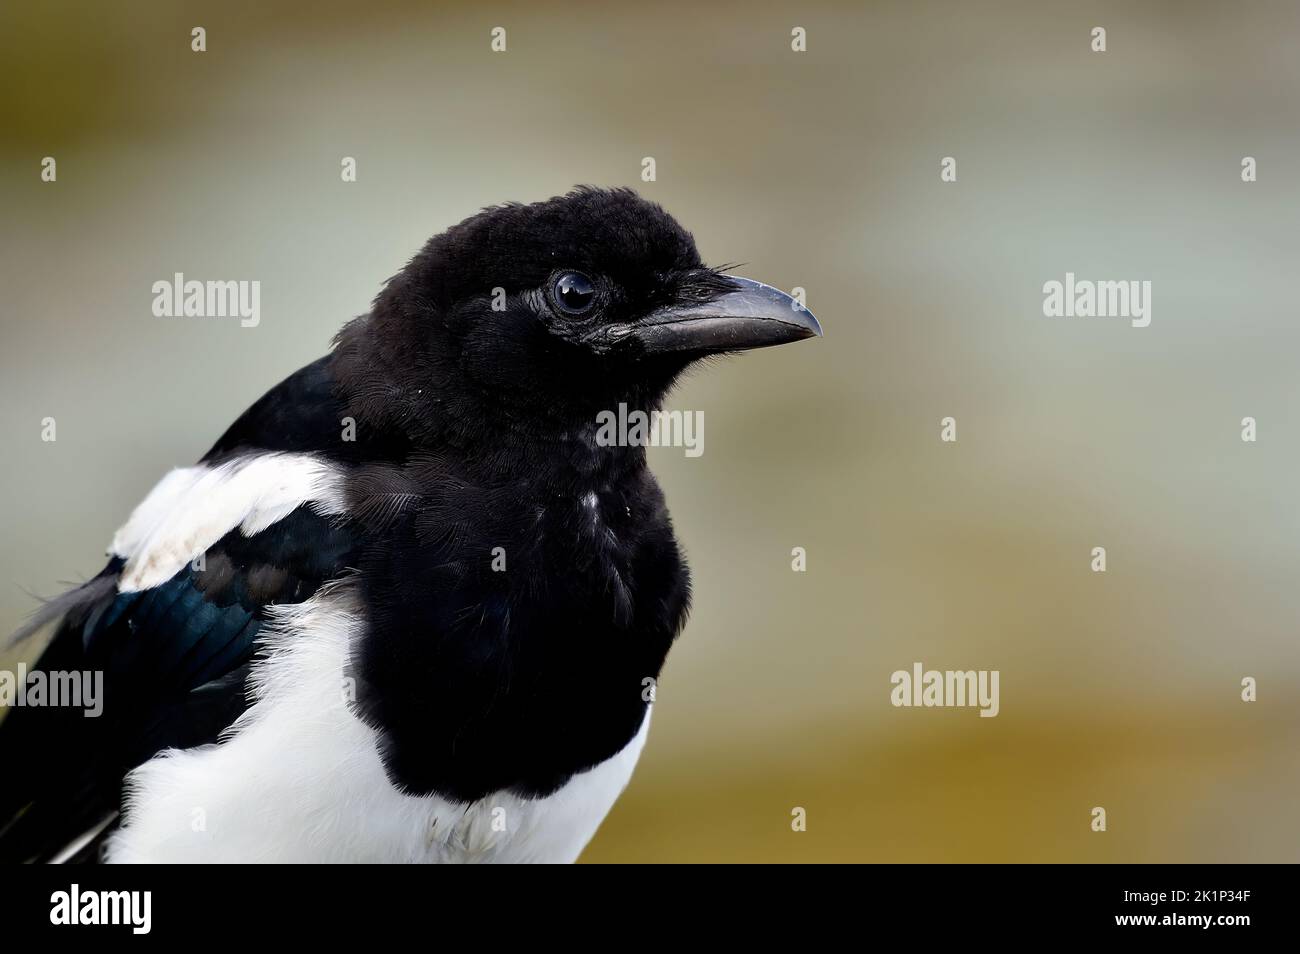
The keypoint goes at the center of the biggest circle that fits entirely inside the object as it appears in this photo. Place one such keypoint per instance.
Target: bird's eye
(574, 293)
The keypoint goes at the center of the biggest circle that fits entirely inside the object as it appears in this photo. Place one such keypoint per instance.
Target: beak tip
(810, 326)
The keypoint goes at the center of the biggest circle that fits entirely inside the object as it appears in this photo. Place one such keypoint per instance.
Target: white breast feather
(299, 778)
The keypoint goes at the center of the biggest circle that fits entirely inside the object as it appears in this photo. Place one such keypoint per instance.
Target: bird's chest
(592, 546)
(514, 649)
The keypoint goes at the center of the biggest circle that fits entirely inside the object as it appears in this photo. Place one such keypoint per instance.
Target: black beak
(753, 315)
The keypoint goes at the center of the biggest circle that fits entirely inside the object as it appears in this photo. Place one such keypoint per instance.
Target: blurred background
(820, 170)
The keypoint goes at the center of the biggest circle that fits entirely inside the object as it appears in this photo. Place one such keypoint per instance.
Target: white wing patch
(193, 507)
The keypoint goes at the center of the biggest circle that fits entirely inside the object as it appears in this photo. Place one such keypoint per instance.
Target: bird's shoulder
(307, 413)
(169, 626)
(255, 523)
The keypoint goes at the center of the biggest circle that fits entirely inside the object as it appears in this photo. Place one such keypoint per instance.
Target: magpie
(408, 607)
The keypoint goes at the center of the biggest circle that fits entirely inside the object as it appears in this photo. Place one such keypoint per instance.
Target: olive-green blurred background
(816, 169)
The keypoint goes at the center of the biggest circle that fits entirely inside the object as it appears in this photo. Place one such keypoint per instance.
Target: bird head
(541, 315)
